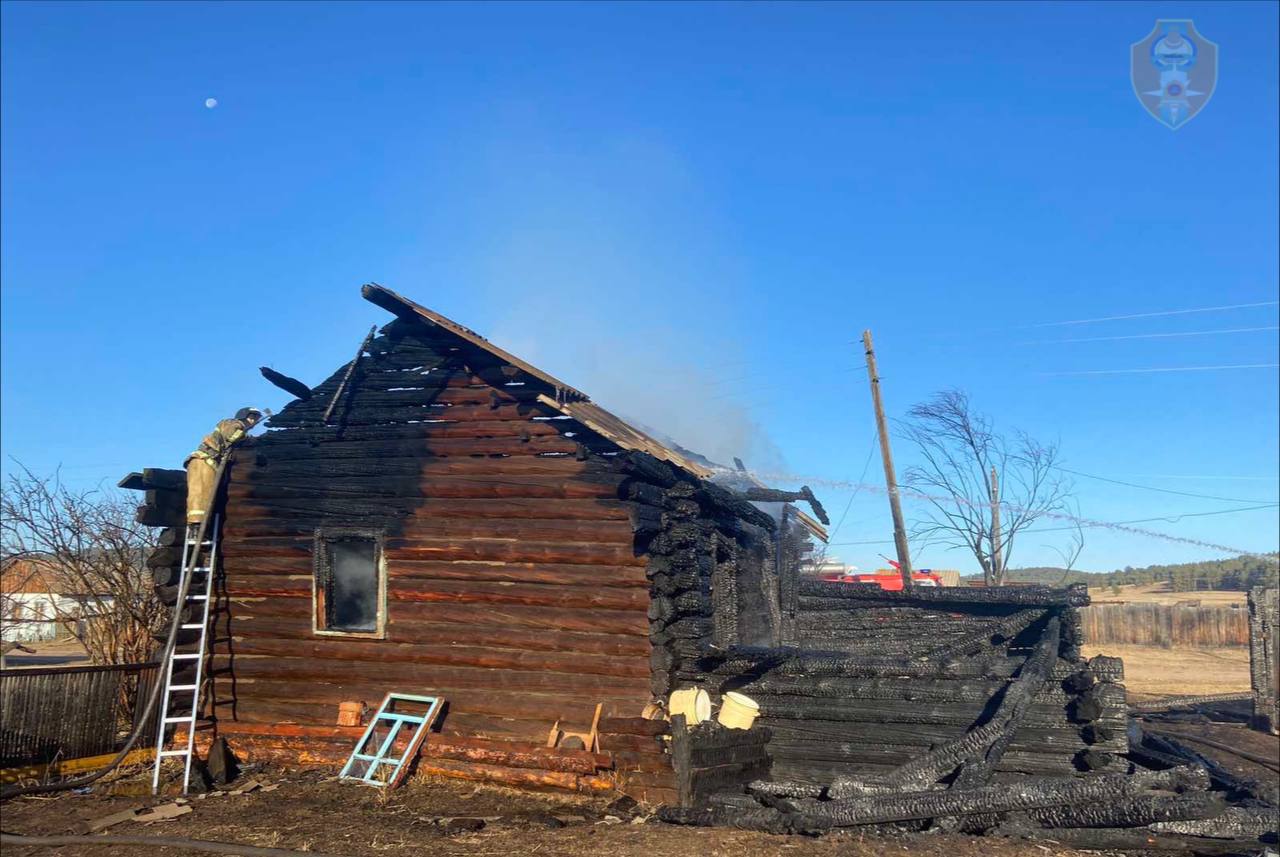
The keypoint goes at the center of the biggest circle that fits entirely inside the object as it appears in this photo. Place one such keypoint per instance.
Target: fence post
(1264, 665)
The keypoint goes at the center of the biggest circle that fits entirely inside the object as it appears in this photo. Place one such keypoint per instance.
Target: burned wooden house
(456, 521)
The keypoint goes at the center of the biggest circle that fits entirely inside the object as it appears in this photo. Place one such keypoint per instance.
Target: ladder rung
(172, 753)
(179, 720)
(174, 687)
(185, 655)
(198, 597)
(192, 626)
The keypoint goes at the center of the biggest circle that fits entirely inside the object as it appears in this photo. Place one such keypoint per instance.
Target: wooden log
(434, 633)
(346, 649)
(324, 436)
(830, 596)
(445, 676)
(426, 447)
(150, 516)
(634, 726)
(474, 510)
(248, 564)
(292, 386)
(505, 615)
(598, 597)
(1040, 793)
(493, 485)
(1136, 811)
(155, 478)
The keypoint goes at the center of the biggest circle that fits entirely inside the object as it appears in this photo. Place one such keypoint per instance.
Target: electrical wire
(1160, 370)
(1156, 314)
(1148, 336)
(911, 494)
(1172, 519)
(875, 442)
(1161, 490)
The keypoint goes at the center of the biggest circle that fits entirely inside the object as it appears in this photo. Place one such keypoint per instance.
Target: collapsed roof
(574, 403)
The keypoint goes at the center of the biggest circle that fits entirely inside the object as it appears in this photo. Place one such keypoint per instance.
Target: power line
(1168, 369)
(1062, 516)
(1155, 314)
(1172, 519)
(1150, 335)
(1161, 490)
(875, 436)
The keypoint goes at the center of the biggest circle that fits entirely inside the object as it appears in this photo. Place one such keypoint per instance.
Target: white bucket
(692, 702)
(738, 711)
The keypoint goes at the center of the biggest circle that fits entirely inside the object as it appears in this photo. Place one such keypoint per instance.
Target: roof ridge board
(403, 307)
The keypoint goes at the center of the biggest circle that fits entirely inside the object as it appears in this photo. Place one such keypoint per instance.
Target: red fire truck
(887, 578)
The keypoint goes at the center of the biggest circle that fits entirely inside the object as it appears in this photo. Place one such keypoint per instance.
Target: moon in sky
(211, 103)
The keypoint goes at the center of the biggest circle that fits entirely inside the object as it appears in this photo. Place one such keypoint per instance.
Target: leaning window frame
(320, 569)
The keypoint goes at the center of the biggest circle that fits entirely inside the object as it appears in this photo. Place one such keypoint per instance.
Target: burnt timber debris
(533, 556)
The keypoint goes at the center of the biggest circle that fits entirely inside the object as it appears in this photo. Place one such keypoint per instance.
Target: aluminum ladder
(199, 559)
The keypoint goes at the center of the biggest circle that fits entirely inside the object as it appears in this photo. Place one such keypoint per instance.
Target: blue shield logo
(1174, 71)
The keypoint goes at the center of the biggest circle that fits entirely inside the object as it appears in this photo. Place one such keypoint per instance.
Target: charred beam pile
(987, 679)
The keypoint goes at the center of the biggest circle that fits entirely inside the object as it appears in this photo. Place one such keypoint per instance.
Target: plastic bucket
(693, 703)
(738, 711)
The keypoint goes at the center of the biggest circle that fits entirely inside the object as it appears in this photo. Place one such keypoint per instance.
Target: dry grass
(1158, 593)
(1151, 671)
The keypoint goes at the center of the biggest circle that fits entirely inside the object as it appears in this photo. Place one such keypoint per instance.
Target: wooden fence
(1146, 624)
(69, 712)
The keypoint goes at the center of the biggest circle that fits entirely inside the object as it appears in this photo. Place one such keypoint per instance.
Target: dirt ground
(311, 811)
(1151, 672)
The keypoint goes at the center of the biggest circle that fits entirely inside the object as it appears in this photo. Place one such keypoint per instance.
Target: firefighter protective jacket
(218, 443)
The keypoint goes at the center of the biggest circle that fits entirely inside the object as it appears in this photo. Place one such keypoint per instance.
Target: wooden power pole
(996, 548)
(891, 481)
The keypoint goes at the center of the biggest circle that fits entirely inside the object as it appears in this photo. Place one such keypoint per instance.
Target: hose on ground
(205, 845)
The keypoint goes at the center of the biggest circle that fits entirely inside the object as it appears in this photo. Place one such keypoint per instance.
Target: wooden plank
(68, 767)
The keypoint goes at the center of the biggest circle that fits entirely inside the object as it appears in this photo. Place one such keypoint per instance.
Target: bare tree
(970, 508)
(88, 546)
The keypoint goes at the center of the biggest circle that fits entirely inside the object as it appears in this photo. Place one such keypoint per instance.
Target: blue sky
(689, 211)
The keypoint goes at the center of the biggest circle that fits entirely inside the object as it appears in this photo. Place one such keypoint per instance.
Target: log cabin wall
(883, 679)
(514, 586)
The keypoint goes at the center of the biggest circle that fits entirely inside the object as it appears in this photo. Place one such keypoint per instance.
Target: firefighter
(202, 465)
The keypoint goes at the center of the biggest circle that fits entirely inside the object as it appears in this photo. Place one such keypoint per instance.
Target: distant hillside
(1240, 573)
(1049, 576)
(1236, 574)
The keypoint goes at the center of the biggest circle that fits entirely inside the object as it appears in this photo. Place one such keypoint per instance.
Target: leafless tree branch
(958, 448)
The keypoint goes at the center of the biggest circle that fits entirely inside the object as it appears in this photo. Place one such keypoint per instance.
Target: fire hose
(140, 723)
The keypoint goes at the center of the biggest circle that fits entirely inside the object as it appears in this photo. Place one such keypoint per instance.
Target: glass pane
(353, 585)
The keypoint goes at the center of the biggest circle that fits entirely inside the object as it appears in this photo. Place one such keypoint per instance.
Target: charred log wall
(710, 758)
(883, 678)
(515, 586)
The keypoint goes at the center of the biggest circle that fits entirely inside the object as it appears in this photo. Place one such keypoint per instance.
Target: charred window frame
(349, 584)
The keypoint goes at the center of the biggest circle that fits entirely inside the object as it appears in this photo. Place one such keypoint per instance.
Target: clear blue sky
(690, 211)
